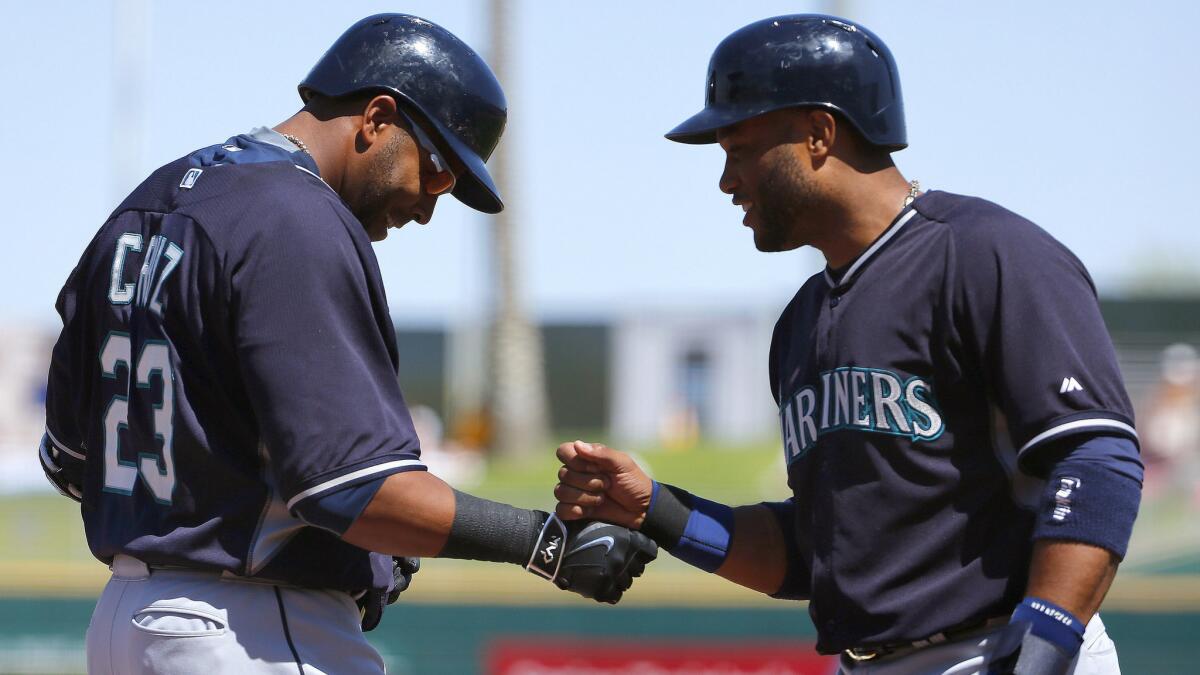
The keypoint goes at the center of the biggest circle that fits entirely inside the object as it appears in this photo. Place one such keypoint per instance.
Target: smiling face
(392, 180)
(390, 190)
(766, 173)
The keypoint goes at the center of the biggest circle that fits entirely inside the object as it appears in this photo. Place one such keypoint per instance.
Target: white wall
(648, 352)
(24, 359)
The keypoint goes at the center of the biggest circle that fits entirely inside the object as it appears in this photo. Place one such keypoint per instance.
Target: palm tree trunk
(517, 386)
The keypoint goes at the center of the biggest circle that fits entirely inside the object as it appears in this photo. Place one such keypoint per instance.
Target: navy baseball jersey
(227, 354)
(913, 387)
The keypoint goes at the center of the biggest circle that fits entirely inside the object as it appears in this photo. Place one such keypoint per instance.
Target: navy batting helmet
(433, 73)
(801, 60)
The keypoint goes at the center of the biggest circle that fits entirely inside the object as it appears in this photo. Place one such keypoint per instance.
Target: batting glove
(1041, 639)
(595, 560)
(371, 603)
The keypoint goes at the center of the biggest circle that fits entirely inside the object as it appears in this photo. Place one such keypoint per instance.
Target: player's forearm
(410, 515)
(1072, 575)
(744, 545)
(416, 514)
(757, 554)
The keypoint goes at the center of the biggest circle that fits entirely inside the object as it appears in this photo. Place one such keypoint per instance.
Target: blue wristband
(1051, 622)
(706, 537)
(693, 529)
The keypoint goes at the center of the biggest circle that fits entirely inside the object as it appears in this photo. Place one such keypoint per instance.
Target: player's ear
(822, 132)
(379, 112)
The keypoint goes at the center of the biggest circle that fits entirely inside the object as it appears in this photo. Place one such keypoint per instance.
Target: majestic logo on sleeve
(858, 399)
(1069, 385)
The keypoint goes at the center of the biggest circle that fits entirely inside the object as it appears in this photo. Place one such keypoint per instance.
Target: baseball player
(223, 398)
(958, 440)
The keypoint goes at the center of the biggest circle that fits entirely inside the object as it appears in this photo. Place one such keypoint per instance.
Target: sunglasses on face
(443, 180)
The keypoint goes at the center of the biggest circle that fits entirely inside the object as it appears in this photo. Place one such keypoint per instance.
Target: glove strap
(1051, 622)
(550, 549)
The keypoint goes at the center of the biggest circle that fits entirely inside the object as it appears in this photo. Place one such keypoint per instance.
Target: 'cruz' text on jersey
(863, 399)
(122, 293)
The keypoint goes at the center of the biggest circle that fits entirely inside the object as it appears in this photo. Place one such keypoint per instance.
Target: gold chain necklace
(304, 148)
(913, 188)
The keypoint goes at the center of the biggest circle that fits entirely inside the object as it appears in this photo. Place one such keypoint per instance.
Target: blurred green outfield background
(458, 614)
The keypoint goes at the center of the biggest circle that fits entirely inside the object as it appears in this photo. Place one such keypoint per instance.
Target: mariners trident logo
(860, 399)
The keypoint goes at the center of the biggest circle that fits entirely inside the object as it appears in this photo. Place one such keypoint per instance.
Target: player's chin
(770, 241)
(765, 240)
(377, 234)
(378, 229)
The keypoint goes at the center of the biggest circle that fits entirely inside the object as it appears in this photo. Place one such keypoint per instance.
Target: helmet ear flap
(433, 73)
(802, 60)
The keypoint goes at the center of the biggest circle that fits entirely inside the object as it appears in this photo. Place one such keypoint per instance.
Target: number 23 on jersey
(157, 468)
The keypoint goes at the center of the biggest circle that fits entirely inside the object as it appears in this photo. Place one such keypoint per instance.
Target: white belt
(128, 567)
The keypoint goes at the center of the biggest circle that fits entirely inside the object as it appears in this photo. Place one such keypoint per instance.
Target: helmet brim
(702, 128)
(475, 188)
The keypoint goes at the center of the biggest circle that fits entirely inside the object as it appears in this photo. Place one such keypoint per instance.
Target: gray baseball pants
(200, 623)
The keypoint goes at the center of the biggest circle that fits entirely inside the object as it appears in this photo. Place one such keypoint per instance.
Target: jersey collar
(299, 158)
(849, 274)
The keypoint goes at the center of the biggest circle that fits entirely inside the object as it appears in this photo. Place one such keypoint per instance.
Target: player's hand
(600, 483)
(371, 603)
(596, 560)
(403, 569)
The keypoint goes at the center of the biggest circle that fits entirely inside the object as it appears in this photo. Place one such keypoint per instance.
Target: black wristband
(667, 517)
(487, 530)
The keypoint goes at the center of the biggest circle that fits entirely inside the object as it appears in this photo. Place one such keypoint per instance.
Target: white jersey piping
(353, 475)
(1075, 425)
(870, 251)
(62, 447)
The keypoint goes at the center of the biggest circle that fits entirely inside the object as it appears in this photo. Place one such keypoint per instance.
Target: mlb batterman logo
(550, 550)
(861, 399)
(190, 178)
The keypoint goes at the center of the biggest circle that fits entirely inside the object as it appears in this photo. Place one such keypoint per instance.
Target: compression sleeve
(487, 530)
(1092, 495)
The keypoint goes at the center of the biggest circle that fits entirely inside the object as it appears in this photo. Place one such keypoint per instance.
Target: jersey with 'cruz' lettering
(227, 354)
(912, 390)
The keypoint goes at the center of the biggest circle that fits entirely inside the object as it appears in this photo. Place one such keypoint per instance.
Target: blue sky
(1078, 115)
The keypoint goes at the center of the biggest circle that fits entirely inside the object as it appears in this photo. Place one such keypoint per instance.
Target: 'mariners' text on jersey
(862, 399)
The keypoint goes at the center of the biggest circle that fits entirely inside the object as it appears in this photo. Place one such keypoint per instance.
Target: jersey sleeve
(797, 579)
(1029, 315)
(311, 337)
(62, 451)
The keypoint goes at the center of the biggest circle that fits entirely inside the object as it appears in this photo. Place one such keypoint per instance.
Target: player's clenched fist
(601, 483)
(595, 560)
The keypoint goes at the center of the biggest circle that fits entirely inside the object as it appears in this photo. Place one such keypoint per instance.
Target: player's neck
(863, 208)
(319, 143)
